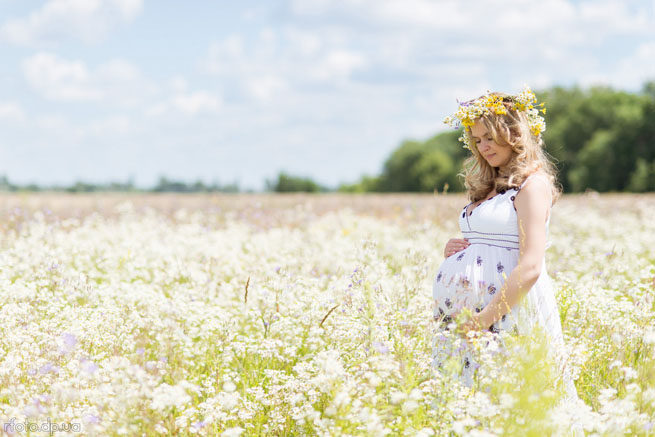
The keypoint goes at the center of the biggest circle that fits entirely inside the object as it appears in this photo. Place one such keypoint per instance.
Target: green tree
(643, 177)
(366, 184)
(596, 136)
(424, 166)
(286, 183)
(596, 153)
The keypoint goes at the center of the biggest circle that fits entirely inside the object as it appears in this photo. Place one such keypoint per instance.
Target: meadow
(303, 315)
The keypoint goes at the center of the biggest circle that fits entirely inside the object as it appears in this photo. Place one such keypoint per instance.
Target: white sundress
(471, 277)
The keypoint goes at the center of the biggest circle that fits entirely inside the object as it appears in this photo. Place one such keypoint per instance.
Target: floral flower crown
(525, 101)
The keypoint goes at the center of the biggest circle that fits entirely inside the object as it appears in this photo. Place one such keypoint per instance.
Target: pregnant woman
(498, 269)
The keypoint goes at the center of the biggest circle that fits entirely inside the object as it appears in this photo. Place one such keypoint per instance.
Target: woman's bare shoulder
(538, 177)
(537, 187)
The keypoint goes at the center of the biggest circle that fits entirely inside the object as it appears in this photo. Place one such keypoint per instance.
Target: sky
(238, 91)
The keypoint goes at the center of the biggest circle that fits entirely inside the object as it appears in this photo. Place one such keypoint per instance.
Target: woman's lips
(491, 156)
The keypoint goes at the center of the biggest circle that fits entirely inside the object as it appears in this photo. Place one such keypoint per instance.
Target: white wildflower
(233, 432)
(166, 396)
(409, 406)
(229, 387)
(397, 397)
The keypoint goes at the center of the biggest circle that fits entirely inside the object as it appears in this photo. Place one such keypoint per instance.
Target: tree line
(164, 185)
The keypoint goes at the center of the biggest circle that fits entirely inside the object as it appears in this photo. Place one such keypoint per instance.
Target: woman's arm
(532, 208)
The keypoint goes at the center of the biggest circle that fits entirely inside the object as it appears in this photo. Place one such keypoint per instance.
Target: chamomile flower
(468, 112)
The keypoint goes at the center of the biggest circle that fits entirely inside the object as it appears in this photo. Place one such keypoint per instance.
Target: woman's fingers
(455, 245)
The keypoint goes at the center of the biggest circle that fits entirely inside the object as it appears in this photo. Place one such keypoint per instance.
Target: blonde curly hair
(510, 129)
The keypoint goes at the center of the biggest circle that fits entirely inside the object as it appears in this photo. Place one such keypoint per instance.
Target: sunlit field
(303, 315)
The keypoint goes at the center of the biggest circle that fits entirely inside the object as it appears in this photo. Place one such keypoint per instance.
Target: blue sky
(225, 91)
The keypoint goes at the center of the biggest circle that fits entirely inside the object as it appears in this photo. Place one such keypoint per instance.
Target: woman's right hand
(455, 245)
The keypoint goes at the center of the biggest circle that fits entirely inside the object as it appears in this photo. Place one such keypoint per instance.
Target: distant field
(302, 315)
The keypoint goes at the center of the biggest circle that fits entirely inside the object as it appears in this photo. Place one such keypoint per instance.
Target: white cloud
(540, 43)
(469, 16)
(631, 72)
(118, 69)
(339, 64)
(443, 14)
(69, 80)
(277, 62)
(311, 7)
(615, 17)
(52, 122)
(75, 134)
(11, 112)
(178, 84)
(560, 21)
(305, 43)
(265, 88)
(117, 124)
(196, 102)
(188, 103)
(57, 20)
(59, 79)
(59, 129)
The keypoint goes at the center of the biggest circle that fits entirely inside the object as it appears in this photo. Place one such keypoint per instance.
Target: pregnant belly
(470, 278)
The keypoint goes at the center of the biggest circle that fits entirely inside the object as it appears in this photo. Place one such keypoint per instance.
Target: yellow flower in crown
(525, 101)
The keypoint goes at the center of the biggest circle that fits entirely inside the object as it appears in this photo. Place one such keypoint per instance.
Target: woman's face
(495, 154)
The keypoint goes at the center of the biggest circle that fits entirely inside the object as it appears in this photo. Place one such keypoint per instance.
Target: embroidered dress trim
(496, 245)
(489, 233)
